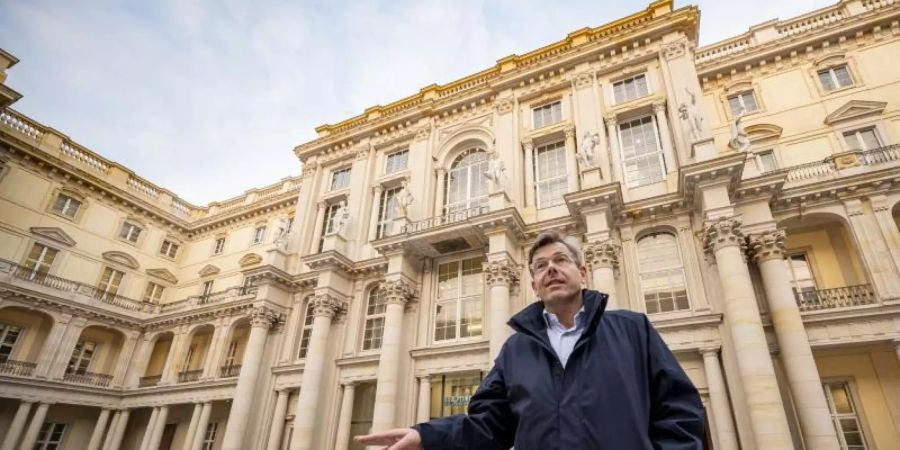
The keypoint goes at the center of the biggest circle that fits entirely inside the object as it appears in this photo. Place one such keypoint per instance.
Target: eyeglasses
(540, 266)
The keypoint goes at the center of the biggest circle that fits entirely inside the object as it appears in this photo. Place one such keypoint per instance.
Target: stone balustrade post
(396, 293)
(602, 260)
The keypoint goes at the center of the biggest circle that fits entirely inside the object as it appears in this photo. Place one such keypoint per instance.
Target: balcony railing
(230, 371)
(208, 299)
(832, 164)
(89, 378)
(189, 375)
(432, 222)
(842, 297)
(17, 368)
(148, 381)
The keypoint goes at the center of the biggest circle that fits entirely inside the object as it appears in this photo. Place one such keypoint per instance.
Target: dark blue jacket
(621, 389)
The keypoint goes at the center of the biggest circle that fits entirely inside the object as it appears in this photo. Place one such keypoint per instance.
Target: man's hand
(398, 439)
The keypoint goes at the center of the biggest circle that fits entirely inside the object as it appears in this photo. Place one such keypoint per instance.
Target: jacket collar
(531, 319)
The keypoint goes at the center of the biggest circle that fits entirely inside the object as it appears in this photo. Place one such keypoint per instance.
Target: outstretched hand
(397, 439)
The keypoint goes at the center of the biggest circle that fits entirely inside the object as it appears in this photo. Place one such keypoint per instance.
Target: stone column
(325, 307)
(872, 250)
(571, 165)
(16, 427)
(376, 204)
(528, 145)
(113, 424)
(48, 351)
(665, 136)
(396, 293)
(612, 132)
(424, 410)
(260, 320)
(126, 354)
(192, 428)
(277, 428)
(63, 352)
(99, 430)
(202, 424)
(148, 432)
(317, 228)
(158, 428)
(718, 398)
(34, 427)
(500, 276)
(138, 366)
(724, 240)
(796, 354)
(119, 431)
(170, 368)
(602, 260)
(343, 432)
(211, 365)
(886, 224)
(439, 197)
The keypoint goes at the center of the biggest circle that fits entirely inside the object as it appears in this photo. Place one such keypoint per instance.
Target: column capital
(503, 105)
(709, 350)
(676, 49)
(528, 144)
(501, 273)
(601, 254)
(611, 119)
(569, 132)
(723, 232)
(659, 106)
(326, 305)
(583, 79)
(766, 246)
(398, 291)
(262, 316)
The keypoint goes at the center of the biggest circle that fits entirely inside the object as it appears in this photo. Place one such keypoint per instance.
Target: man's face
(555, 274)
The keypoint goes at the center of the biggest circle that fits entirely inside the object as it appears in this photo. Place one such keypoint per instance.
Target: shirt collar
(552, 321)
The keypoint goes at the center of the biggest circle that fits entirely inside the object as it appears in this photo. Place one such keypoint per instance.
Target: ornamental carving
(723, 232)
(501, 273)
(675, 49)
(766, 246)
(262, 317)
(570, 133)
(309, 168)
(583, 79)
(503, 105)
(326, 305)
(423, 132)
(598, 255)
(397, 291)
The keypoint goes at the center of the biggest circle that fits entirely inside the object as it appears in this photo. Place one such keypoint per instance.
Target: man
(573, 376)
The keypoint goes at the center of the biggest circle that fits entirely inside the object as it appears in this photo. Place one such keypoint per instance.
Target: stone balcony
(88, 378)
(834, 298)
(17, 368)
(230, 371)
(842, 165)
(188, 376)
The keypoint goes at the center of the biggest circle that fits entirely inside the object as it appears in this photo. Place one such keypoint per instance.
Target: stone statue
(404, 198)
(495, 171)
(283, 234)
(691, 112)
(587, 155)
(341, 217)
(739, 139)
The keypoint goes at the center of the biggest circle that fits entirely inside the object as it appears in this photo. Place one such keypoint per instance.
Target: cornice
(727, 168)
(449, 349)
(35, 300)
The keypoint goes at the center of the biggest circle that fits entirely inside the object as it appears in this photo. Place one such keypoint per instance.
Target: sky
(208, 99)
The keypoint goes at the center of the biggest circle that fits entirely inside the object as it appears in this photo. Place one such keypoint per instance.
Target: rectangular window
(374, 329)
(547, 115)
(642, 157)
(835, 78)
(328, 223)
(231, 354)
(550, 174)
(306, 329)
(9, 334)
(50, 437)
(450, 394)
(210, 437)
(39, 261)
(844, 415)
(459, 303)
(395, 162)
(66, 206)
(259, 234)
(631, 88)
(110, 282)
(388, 210)
(340, 179)
(663, 282)
(219, 246)
(80, 361)
(804, 283)
(744, 101)
(862, 139)
(130, 232)
(153, 292)
(767, 162)
(207, 289)
(168, 248)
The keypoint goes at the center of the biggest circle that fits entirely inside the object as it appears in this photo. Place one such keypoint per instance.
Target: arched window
(466, 186)
(374, 328)
(306, 329)
(662, 273)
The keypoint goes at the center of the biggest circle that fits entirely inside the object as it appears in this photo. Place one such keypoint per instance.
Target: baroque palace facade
(745, 195)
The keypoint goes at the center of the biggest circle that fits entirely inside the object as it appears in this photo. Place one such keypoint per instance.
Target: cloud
(208, 99)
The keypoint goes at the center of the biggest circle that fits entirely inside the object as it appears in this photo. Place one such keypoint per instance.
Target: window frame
(676, 269)
(549, 105)
(389, 169)
(857, 133)
(856, 414)
(333, 181)
(44, 442)
(759, 160)
(557, 145)
(474, 170)
(388, 211)
(153, 292)
(219, 245)
(206, 289)
(104, 283)
(802, 293)
(740, 97)
(39, 263)
(631, 78)
(305, 332)
(172, 243)
(209, 436)
(834, 79)
(76, 364)
(459, 301)
(660, 152)
(5, 330)
(127, 237)
(259, 234)
(376, 319)
(75, 215)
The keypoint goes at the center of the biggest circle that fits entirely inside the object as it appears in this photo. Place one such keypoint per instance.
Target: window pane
(447, 280)
(734, 103)
(869, 139)
(840, 398)
(445, 321)
(843, 76)
(767, 160)
(826, 79)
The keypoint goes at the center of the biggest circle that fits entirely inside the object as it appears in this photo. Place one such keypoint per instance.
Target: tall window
(66, 205)
(328, 223)
(466, 186)
(662, 274)
(219, 245)
(9, 334)
(81, 357)
(395, 162)
(844, 415)
(168, 248)
(130, 232)
(189, 357)
(110, 282)
(209, 439)
(805, 290)
(153, 292)
(459, 302)
(259, 234)
(306, 329)
(550, 174)
(642, 156)
(206, 290)
(631, 88)
(51, 436)
(767, 161)
(744, 101)
(231, 353)
(374, 320)
(340, 179)
(388, 210)
(835, 78)
(39, 261)
(862, 139)
(546, 115)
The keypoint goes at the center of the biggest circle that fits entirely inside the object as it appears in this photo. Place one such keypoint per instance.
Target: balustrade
(189, 375)
(230, 371)
(17, 368)
(151, 380)
(841, 297)
(89, 378)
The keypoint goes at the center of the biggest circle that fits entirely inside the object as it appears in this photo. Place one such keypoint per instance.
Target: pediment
(763, 131)
(250, 259)
(54, 234)
(854, 109)
(121, 258)
(208, 270)
(163, 274)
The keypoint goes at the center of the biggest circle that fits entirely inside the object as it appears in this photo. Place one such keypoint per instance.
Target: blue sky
(208, 99)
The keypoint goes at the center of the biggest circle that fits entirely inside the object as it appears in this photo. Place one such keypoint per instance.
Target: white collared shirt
(563, 339)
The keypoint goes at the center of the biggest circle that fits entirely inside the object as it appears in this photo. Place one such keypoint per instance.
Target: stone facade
(745, 195)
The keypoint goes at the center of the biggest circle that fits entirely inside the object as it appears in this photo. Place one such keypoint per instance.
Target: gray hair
(553, 236)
